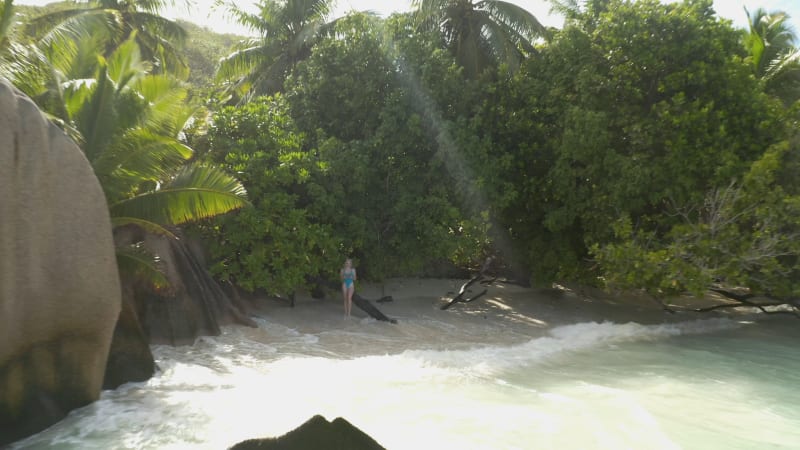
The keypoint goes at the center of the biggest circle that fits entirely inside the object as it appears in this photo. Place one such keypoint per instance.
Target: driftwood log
(361, 302)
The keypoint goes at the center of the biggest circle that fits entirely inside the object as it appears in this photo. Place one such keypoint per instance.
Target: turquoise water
(430, 383)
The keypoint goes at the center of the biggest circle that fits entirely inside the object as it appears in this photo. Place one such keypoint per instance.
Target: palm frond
(38, 26)
(125, 65)
(156, 25)
(501, 43)
(147, 226)
(96, 119)
(240, 62)
(25, 68)
(781, 63)
(248, 20)
(99, 24)
(429, 14)
(134, 261)
(167, 58)
(168, 109)
(153, 6)
(197, 192)
(138, 156)
(524, 25)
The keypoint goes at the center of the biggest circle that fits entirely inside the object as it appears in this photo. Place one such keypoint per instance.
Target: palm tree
(770, 43)
(287, 30)
(6, 22)
(481, 34)
(116, 21)
(8, 43)
(127, 122)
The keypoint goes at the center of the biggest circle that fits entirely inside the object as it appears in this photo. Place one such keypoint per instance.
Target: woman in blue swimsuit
(348, 276)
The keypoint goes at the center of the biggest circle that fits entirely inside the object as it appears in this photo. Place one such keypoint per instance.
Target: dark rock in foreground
(316, 433)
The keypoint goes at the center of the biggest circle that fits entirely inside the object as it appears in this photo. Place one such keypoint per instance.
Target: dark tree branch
(476, 296)
(743, 300)
(462, 291)
(479, 278)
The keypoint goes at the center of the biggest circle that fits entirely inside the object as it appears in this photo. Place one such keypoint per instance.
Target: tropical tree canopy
(481, 34)
(286, 31)
(645, 145)
(114, 22)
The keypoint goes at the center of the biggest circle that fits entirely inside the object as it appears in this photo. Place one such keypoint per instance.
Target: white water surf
(427, 383)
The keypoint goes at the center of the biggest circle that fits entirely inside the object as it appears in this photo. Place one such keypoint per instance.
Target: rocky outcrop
(130, 358)
(194, 304)
(316, 433)
(59, 286)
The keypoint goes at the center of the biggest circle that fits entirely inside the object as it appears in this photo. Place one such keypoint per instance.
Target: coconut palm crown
(286, 32)
(114, 22)
(771, 45)
(481, 34)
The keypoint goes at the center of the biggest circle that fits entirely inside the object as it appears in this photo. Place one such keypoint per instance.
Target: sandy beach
(531, 311)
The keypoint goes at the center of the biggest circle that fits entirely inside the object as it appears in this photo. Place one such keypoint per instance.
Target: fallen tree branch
(489, 281)
(476, 297)
(743, 300)
(462, 291)
(480, 278)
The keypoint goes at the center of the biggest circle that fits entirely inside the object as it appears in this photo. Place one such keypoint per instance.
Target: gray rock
(130, 358)
(316, 434)
(193, 305)
(59, 286)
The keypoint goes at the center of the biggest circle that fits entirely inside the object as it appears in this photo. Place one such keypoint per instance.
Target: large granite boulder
(193, 305)
(59, 286)
(316, 434)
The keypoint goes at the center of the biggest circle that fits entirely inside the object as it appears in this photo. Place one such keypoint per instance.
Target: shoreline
(529, 310)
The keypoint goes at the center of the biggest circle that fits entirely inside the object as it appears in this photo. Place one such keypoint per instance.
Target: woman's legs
(349, 296)
(344, 297)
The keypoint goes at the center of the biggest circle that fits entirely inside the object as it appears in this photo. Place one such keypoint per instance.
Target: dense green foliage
(644, 145)
(626, 117)
(359, 175)
(277, 243)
